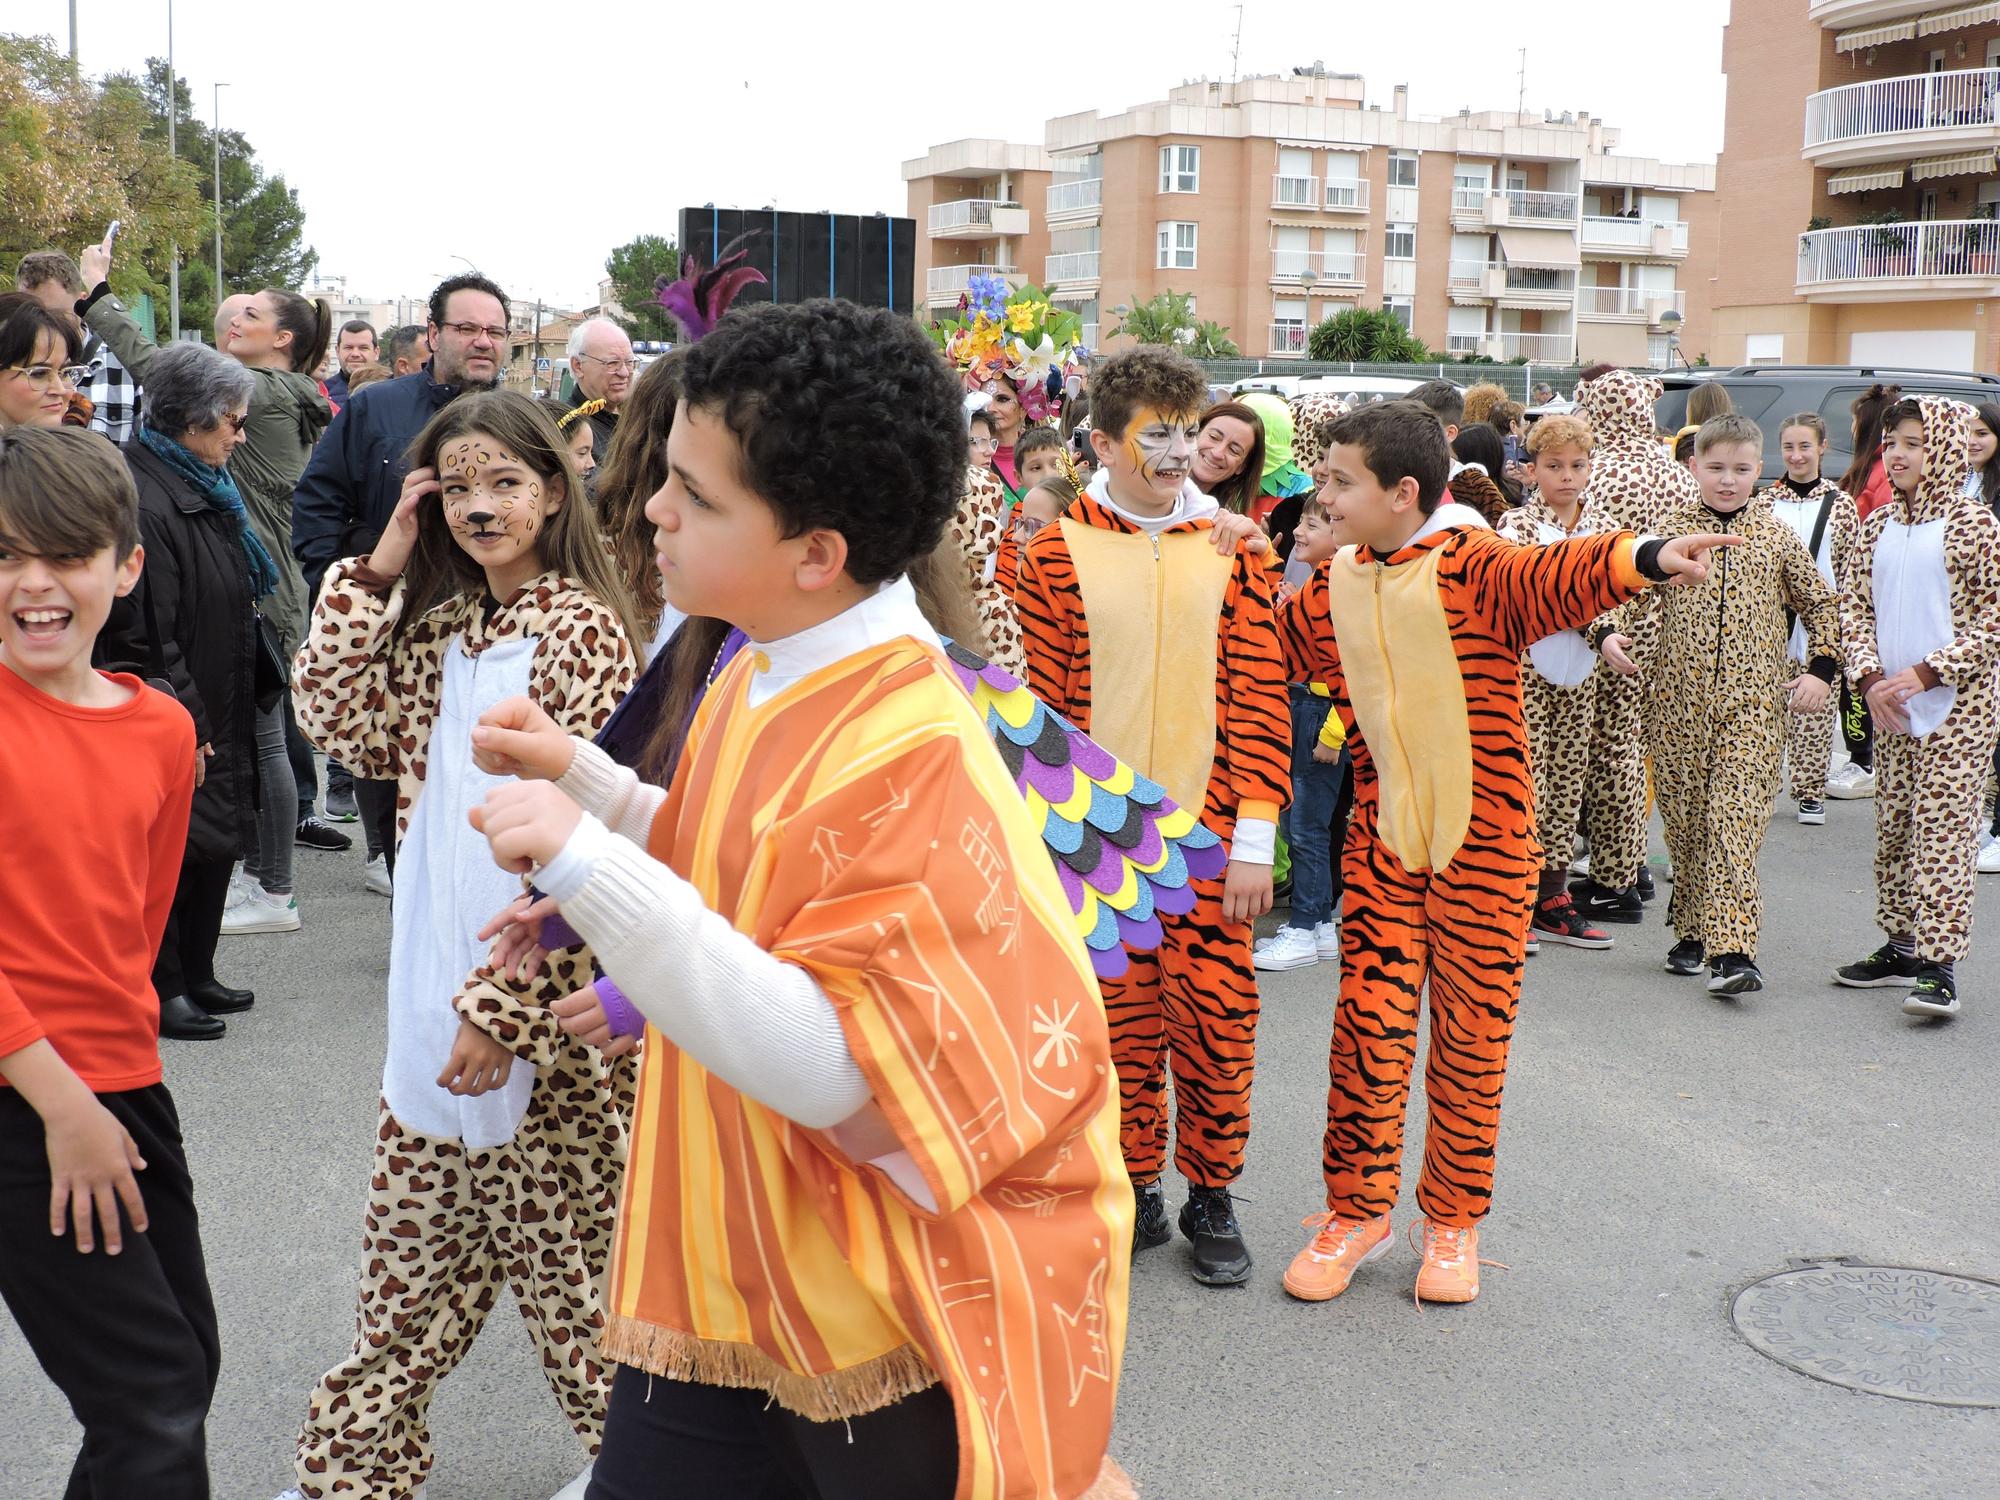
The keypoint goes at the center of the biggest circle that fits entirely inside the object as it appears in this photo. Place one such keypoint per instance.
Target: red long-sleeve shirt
(93, 818)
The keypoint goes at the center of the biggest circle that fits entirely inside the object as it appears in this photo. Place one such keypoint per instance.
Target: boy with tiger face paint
(1164, 649)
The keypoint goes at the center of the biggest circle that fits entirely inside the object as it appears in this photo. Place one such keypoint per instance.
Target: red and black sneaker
(1558, 921)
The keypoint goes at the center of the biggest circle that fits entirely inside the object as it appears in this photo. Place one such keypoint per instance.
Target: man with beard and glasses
(351, 485)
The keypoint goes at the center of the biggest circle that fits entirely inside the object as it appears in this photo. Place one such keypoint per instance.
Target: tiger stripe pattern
(1192, 1003)
(1436, 897)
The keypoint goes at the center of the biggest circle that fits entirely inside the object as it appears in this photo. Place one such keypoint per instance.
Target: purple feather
(1109, 963)
(1110, 872)
(1072, 884)
(1140, 935)
(1204, 864)
(1173, 900)
(1091, 758)
(699, 298)
(1055, 783)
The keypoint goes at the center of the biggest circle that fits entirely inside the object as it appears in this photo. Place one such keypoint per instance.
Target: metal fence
(1517, 380)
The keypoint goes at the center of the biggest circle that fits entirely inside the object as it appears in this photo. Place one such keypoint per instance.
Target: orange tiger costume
(1421, 648)
(1190, 691)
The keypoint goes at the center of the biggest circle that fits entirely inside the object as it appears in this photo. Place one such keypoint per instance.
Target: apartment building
(1858, 186)
(1277, 201)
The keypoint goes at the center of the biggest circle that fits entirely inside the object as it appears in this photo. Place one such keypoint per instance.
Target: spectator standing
(600, 359)
(52, 279)
(405, 352)
(39, 350)
(354, 348)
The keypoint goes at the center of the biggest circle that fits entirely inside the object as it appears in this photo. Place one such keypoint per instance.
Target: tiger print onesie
(1632, 484)
(1166, 653)
(1717, 684)
(1924, 592)
(1421, 648)
(1809, 737)
(513, 1189)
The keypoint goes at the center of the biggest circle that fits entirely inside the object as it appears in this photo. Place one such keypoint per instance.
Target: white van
(1367, 387)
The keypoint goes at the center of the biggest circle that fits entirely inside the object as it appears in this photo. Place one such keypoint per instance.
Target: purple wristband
(557, 934)
(621, 1013)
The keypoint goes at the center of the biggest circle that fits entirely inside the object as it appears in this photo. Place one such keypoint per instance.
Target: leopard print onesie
(446, 1228)
(1809, 737)
(1561, 717)
(1718, 684)
(1928, 786)
(979, 526)
(1633, 483)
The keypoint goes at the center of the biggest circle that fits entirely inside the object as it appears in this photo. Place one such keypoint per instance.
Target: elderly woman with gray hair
(193, 620)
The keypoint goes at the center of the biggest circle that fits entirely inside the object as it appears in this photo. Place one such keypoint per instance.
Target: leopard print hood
(1947, 456)
(1619, 407)
(1632, 480)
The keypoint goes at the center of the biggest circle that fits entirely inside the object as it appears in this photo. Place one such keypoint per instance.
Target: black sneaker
(1685, 957)
(1885, 966)
(1734, 974)
(1208, 1218)
(1645, 886)
(1599, 903)
(313, 834)
(1933, 996)
(1811, 810)
(1152, 1227)
(1558, 921)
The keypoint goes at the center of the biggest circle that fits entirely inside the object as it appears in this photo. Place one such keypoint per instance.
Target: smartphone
(111, 235)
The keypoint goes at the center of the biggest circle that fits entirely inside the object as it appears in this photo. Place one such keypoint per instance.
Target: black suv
(1767, 394)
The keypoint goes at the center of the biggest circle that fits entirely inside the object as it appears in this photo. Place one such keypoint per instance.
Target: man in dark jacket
(351, 485)
(355, 348)
(600, 358)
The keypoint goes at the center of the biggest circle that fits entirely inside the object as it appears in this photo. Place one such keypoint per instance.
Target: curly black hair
(848, 418)
(468, 282)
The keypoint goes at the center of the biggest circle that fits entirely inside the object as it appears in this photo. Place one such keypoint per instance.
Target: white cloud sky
(531, 139)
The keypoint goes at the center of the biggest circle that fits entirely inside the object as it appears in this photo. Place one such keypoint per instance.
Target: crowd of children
(792, 1106)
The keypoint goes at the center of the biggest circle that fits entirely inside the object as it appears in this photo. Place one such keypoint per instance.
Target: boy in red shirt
(97, 774)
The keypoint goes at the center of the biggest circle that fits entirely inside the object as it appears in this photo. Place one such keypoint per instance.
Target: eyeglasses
(42, 376)
(236, 419)
(613, 365)
(473, 330)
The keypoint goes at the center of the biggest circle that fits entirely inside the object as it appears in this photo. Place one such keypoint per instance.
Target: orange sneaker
(1338, 1248)
(1450, 1271)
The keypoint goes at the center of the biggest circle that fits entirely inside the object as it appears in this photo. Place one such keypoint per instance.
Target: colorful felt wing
(1124, 850)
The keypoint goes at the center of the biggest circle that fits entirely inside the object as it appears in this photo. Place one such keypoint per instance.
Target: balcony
(1845, 15)
(1539, 348)
(1078, 199)
(1643, 239)
(1346, 195)
(1628, 304)
(1294, 192)
(1530, 286)
(1311, 267)
(977, 219)
(1070, 270)
(1466, 280)
(1901, 262)
(1525, 208)
(1892, 119)
(1288, 339)
(944, 285)
(1463, 345)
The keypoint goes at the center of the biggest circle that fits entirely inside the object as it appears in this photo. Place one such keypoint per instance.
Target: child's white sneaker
(1989, 858)
(1326, 937)
(261, 911)
(1850, 783)
(577, 1487)
(377, 877)
(1287, 948)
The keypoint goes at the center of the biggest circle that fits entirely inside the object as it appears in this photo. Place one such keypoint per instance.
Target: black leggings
(667, 1439)
(1857, 727)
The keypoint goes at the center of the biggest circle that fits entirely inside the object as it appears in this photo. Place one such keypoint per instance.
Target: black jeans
(130, 1338)
(187, 949)
(667, 1439)
(376, 801)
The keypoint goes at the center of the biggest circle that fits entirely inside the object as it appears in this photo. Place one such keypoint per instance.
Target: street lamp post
(173, 250)
(218, 193)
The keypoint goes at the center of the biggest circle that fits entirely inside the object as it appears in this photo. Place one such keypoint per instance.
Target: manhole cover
(1888, 1330)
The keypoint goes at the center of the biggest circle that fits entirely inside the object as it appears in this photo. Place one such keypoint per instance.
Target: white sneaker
(377, 879)
(240, 887)
(1287, 948)
(261, 911)
(574, 1490)
(1989, 858)
(1850, 783)
(1326, 937)
(1580, 865)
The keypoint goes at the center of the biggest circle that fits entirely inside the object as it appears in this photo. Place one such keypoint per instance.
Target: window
(1402, 309)
(1180, 169)
(1402, 169)
(1177, 245)
(1399, 242)
(1288, 325)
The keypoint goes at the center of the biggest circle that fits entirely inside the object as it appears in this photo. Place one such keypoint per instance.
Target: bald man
(225, 313)
(600, 357)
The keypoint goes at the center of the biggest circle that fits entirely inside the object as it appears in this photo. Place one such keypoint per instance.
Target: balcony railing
(1288, 338)
(1468, 273)
(1077, 265)
(1090, 337)
(1613, 231)
(1532, 203)
(1321, 265)
(1550, 347)
(1963, 100)
(1628, 301)
(1538, 279)
(1294, 192)
(967, 213)
(1350, 193)
(1469, 200)
(1462, 343)
(1080, 195)
(1900, 252)
(949, 281)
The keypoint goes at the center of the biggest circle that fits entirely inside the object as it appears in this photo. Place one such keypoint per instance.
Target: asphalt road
(1660, 1150)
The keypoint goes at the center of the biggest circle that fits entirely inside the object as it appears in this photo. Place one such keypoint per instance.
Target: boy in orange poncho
(876, 1226)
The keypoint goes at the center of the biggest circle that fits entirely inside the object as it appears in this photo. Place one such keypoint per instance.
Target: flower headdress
(1020, 337)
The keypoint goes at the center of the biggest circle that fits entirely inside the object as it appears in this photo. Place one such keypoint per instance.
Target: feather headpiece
(701, 295)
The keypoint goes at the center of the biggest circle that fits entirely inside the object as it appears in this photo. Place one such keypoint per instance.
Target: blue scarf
(221, 493)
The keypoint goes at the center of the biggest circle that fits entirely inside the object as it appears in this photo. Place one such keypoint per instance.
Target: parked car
(1366, 386)
(1768, 394)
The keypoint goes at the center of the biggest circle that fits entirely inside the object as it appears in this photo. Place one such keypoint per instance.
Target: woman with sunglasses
(193, 620)
(39, 372)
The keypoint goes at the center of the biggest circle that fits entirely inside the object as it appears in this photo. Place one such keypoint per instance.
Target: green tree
(263, 223)
(1367, 335)
(74, 156)
(1212, 341)
(635, 269)
(1169, 319)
